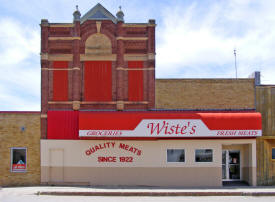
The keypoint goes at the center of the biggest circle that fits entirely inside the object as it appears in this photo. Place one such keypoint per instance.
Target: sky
(194, 39)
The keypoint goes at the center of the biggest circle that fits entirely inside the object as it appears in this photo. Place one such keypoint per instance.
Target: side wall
(205, 93)
(12, 135)
(265, 103)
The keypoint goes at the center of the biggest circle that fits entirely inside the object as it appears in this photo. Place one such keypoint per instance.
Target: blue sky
(194, 39)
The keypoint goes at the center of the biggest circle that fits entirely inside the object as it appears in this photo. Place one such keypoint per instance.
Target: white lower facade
(145, 162)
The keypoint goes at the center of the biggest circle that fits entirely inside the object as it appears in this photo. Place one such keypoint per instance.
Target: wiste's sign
(165, 128)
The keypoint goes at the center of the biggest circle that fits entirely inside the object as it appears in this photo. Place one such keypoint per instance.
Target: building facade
(265, 104)
(100, 124)
(19, 148)
(106, 120)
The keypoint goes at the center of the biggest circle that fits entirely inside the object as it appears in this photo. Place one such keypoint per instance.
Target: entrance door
(231, 165)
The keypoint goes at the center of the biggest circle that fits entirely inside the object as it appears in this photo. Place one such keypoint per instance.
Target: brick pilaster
(119, 64)
(44, 77)
(76, 66)
(151, 64)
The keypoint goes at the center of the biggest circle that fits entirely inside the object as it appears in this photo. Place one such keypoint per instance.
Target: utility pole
(235, 54)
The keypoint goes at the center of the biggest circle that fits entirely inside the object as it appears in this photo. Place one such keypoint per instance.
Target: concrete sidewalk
(141, 191)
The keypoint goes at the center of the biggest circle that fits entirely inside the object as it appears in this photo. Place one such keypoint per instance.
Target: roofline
(98, 5)
(205, 79)
(20, 112)
(176, 110)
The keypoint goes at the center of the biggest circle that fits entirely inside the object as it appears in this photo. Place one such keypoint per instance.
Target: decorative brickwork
(90, 39)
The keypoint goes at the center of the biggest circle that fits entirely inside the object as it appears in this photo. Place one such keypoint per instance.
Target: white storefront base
(134, 163)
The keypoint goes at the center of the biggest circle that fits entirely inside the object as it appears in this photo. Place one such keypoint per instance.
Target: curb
(156, 193)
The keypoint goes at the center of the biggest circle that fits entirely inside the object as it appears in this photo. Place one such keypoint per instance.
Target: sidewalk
(141, 191)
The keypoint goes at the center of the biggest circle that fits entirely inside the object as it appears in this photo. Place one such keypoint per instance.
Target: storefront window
(204, 155)
(273, 153)
(175, 155)
(18, 159)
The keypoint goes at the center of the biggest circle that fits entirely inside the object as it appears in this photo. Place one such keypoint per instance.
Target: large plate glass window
(175, 155)
(273, 153)
(204, 155)
(18, 159)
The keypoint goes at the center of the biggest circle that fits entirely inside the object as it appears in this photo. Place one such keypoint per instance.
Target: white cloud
(197, 42)
(193, 40)
(19, 66)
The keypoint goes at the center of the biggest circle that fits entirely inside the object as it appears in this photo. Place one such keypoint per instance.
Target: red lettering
(88, 152)
(165, 128)
(193, 130)
(156, 128)
(183, 129)
(122, 146)
(177, 129)
(220, 132)
(126, 147)
(108, 159)
(139, 152)
(130, 149)
(126, 159)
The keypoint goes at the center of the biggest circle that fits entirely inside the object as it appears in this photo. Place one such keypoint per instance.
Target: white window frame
(11, 160)
(180, 162)
(204, 161)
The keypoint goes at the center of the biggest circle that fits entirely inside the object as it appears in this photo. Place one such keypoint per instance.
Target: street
(27, 195)
(27, 198)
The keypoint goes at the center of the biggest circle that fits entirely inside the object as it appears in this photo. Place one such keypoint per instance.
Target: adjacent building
(19, 148)
(265, 104)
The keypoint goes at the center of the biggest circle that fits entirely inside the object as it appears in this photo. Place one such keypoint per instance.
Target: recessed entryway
(231, 165)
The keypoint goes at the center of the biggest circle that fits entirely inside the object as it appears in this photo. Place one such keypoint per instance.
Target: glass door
(231, 165)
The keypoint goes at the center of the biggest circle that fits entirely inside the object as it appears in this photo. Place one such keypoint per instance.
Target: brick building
(100, 124)
(106, 120)
(19, 142)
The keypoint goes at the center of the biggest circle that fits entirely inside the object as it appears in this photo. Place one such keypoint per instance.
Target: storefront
(150, 148)
(106, 119)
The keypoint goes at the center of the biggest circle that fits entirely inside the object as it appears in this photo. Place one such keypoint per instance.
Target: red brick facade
(91, 40)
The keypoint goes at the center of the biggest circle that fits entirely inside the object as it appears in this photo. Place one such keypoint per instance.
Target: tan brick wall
(12, 136)
(205, 93)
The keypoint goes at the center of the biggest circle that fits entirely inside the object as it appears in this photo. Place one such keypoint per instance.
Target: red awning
(168, 124)
(130, 120)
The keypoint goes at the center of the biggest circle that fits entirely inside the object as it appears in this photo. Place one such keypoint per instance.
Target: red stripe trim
(20, 112)
(162, 138)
